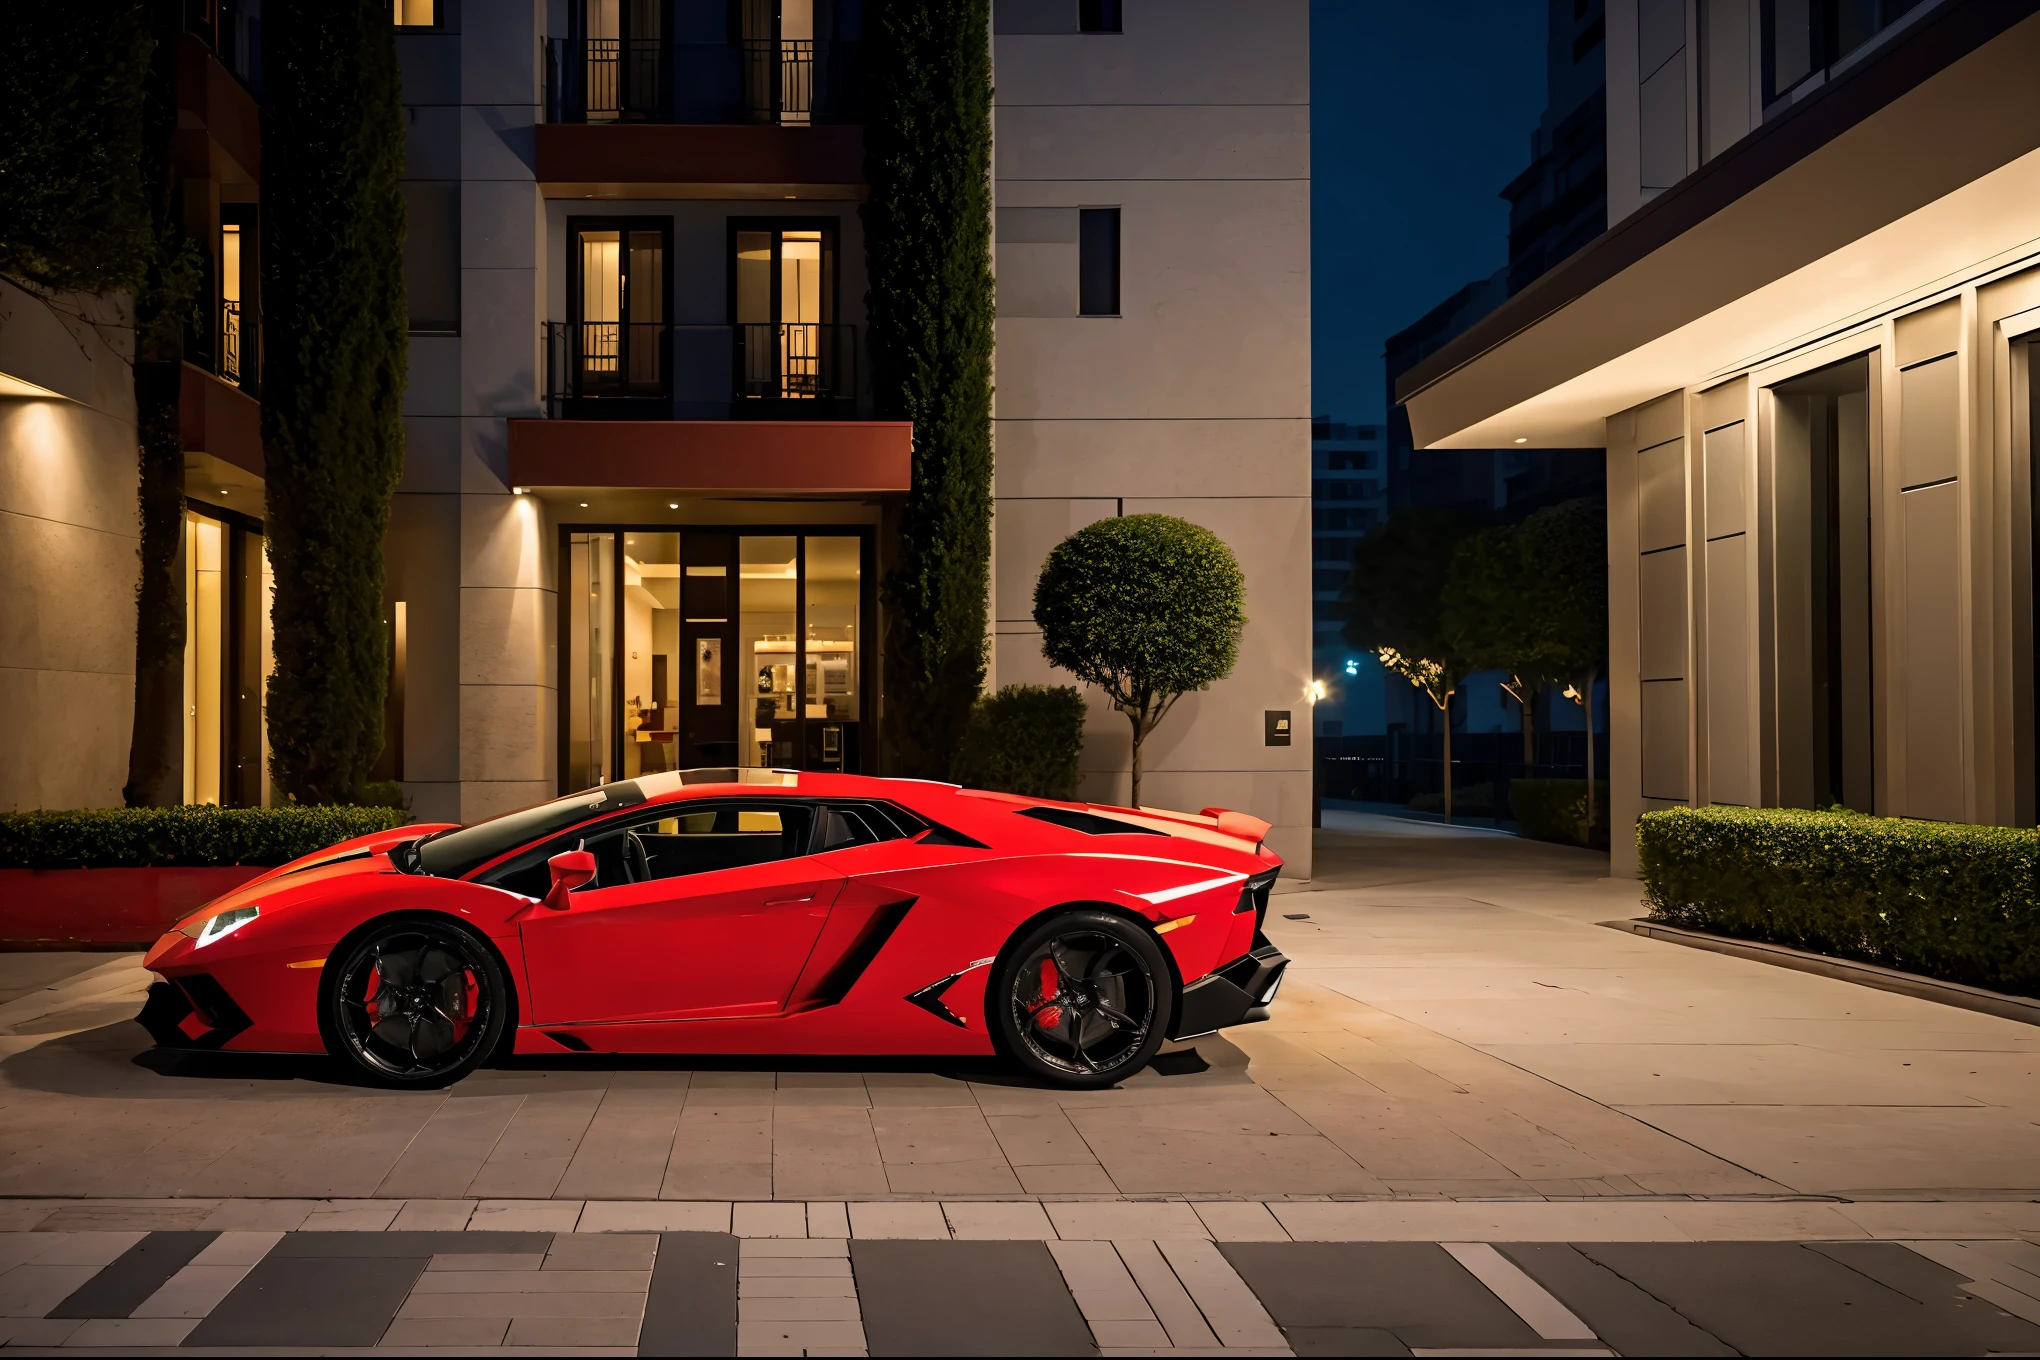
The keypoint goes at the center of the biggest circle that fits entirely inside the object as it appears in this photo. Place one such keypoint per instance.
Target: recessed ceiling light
(1522, 439)
(584, 505)
(673, 505)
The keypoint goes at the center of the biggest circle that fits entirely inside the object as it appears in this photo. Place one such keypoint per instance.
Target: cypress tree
(333, 382)
(927, 233)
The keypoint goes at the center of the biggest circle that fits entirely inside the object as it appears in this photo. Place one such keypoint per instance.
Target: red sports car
(741, 911)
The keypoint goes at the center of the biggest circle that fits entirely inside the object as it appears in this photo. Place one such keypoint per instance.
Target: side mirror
(570, 869)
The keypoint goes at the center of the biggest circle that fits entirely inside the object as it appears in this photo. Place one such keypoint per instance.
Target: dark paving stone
(1621, 1314)
(965, 1298)
(332, 1245)
(692, 1306)
(1343, 1341)
(132, 1276)
(1788, 1298)
(328, 1301)
(1414, 1291)
(1937, 1287)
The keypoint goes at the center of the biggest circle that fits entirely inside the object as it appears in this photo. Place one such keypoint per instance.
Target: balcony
(778, 370)
(788, 82)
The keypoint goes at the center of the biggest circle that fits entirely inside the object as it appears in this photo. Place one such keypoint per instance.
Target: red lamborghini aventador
(741, 911)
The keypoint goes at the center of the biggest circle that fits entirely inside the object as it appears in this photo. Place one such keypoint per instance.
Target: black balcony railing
(606, 80)
(607, 361)
(230, 339)
(779, 81)
(656, 80)
(779, 361)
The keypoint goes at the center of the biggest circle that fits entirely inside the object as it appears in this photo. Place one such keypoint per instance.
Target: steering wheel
(636, 863)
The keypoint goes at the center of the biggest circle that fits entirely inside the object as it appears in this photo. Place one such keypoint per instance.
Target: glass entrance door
(705, 648)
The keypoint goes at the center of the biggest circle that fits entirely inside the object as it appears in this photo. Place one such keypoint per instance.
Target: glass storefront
(711, 647)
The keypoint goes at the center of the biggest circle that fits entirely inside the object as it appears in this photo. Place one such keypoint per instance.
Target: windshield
(451, 854)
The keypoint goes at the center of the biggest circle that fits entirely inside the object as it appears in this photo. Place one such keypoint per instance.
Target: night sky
(1421, 111)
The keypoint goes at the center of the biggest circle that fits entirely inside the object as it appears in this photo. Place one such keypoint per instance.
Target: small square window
(1098, 262)
(416, 13)
(1097, 16)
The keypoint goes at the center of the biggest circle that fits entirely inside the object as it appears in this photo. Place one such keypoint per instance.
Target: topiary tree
(1146, 607)
(1395, 607)
(928, 250)
(1024, 739)
(333, 382)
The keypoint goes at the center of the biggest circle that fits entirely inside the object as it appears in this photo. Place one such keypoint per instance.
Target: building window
(1803, 38)
(783, 305)
(416, 13)
(617, 331)
(1097, 16)
(432, 255)
(1098, 262)
(227, 659)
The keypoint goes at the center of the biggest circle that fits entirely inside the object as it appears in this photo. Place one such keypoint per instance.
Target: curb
(2025, 1010)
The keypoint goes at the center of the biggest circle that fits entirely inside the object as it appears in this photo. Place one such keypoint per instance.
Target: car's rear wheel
(1082, 999)
(413, 1002)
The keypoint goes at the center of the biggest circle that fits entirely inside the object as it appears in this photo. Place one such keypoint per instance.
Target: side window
(644, 846)
(726, 836)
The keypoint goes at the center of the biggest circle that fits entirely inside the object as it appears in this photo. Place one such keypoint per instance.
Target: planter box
(105, 908)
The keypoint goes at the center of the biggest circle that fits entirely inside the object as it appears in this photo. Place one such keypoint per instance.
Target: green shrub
(383, 793)
(1024, 739)
(191, 837)
(1951, 901)
(1556, 810)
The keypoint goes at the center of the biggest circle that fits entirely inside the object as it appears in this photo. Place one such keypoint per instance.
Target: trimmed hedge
(1025, 739)
(1950, 901)
(185, 837)
(1556, 810)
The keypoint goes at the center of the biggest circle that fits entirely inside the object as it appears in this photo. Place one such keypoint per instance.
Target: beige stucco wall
(68, 541)
(1195, 400)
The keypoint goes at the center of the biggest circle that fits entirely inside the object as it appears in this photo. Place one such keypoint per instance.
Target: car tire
(413, 1002)
(1081, 999)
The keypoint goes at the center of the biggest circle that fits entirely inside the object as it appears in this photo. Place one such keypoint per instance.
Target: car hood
(308, 873)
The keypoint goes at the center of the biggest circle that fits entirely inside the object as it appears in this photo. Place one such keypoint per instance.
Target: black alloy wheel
(1083, 999)
(413, 1002)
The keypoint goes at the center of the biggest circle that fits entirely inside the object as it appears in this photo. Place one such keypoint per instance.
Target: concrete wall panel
(1171, 52)
(1028, 531)
(1664, 740)
(1929, 672)
(1730, 719)
(1661, 496)
(1661, 615)
(1929, 400)
(1727, 480)
(1090, 458)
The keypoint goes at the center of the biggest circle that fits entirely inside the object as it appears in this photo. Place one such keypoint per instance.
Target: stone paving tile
(880, 1219)
(463, 1332)
(1235, 1317)
(269, 1215)
(654, 1216)
(367, 1215)
(37, 1331)
(537, 1146)
(485, 1260)
(579, 1251)
(129, 1216)
(1125, 1221)
(1239, 1221)
(988, 1219)
(769, 1220)
(721, 1151)
(627, 1146)
(527, 1215)
(30, 1291)
(828, 1220)
(449, 1151)
(132, 1332)
(434, 1215)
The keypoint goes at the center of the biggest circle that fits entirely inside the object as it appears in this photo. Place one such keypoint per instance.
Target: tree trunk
(1528, 701)
(156, 745)
(1446, 710)
(1587, 701)
(1138, 737)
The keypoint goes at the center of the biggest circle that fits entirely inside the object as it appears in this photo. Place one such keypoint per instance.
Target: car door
(711, 913)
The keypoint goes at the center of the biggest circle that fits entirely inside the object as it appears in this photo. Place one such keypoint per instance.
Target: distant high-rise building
(1557, 205)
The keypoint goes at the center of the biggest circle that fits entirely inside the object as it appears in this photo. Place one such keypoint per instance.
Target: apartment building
(646, 506)
(1804, 342)
(68, 477)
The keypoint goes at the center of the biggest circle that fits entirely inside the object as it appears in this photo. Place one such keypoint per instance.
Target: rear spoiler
(1238, 824)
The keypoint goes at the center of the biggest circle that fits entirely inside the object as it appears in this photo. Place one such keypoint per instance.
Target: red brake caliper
(1049, 1017)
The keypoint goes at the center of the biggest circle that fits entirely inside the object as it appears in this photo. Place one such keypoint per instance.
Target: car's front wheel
(1082, 999)
(413, 1002)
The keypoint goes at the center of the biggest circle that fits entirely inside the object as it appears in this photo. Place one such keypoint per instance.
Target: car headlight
(220, 924)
